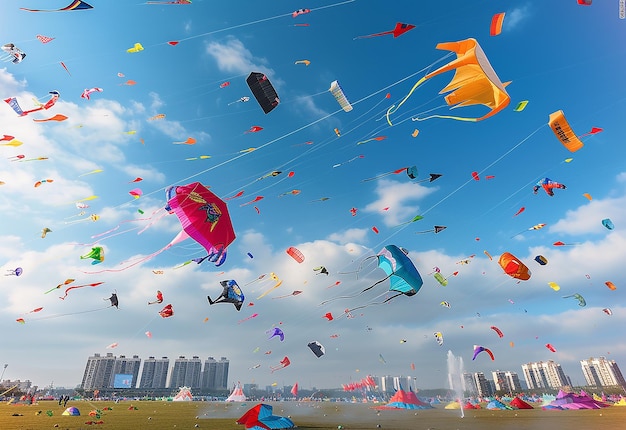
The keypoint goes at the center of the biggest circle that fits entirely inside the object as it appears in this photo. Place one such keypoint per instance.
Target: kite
(554, 286)
(585, 2)
(170, 2)
(203, 216)
(522, 209)
(541, 260)
(256, 199)
(608, 224)
(439, 337)
(377, 138)
(550, 347)
(44, 39)
(445, 304)
(96, 253)
(401, 272)
(58, 117)
(328, 316)
(295, 254)
(436, 229)
(563, 131)
(75, 5)
(292, 192)
(14, 272)
(411, 172)
(240, 100)
(337, 92)
(254, 129)
(276, 332)
(283, 363)
(521, 106)
(167, 311)
(156, 117)
(67, 290)
(66, 282)
(136, 193)
(415, 218)
(276, 285)
(581, 300)
(12, 101)
(474, 82)
(607, 311)
(321, 270)
(548, 185)
(534, 227)
(300, 12)
(137, 47)
(14, 143)
(337, 132)
(305, 62)
(496, 24)
(189, 141)
(610, 285)
(398, 31)
(294, 293)
(88, 91)
(349, 161)
(13, 53)
(559, 243)
(248, 318)
(114, 301)
(588, 196)
(478, 349)
(231, 294)
(514, 267)
(497, 330)
(159, 298)
(263, 91)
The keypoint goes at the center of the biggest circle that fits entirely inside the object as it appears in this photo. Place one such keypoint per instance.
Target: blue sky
(557, 55)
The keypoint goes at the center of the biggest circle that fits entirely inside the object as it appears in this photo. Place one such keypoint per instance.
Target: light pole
(2, 375)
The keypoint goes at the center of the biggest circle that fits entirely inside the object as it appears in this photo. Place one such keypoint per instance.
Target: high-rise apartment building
(482, 384)
(602, 372)
(544, 374)
(506, 381)
(154, 374)
(186, 372)
(98, 372)
(127, 366)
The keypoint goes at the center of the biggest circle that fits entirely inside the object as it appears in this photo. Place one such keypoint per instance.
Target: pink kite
(87, 92)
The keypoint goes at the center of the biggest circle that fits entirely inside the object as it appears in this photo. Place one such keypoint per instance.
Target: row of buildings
(109, 371)
(598, 372)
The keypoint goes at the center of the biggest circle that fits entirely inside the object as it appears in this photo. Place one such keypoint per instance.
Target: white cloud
(400, 198)
(515, 17)
(233, 57)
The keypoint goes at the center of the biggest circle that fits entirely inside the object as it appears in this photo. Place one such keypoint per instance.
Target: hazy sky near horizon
(556, 55)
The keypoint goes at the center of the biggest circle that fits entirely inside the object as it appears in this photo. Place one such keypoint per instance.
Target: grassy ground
(159, 415)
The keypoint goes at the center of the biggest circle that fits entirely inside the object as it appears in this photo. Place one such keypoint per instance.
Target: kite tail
(354, 295)
(371, 304)
(360, 267)
(458, 118)
(394, 108)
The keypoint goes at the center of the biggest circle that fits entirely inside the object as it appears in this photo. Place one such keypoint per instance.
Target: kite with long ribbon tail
(534, 227)
(411, 172)
(67, 290)
(401, 272)
(474, 82)
(397, 31)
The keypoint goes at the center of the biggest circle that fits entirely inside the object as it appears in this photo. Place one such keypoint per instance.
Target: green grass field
(160, 415)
